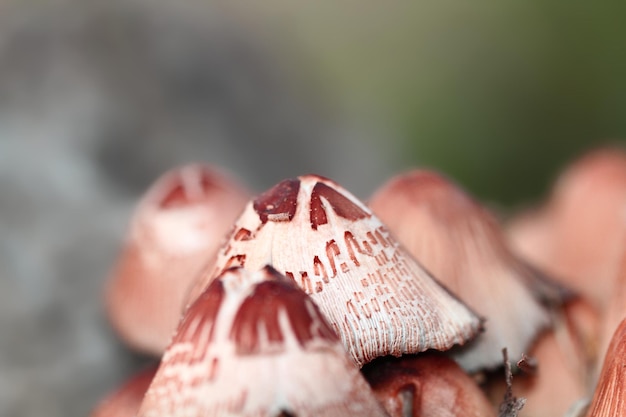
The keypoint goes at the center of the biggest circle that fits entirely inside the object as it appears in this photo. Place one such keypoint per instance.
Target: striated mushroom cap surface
(378, 299)
(462, 244)
(609, 399)
(254, 344)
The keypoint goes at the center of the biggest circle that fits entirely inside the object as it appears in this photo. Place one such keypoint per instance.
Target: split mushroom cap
(426, 385)
(461, 243)
(577, 236)
(254, 344)
(375, 295)
(125, 401)
(176, 230)
(609, 399)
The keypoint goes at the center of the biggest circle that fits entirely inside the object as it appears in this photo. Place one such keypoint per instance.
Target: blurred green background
(499, 95)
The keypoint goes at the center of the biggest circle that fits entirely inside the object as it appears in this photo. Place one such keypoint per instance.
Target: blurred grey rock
(96, 100)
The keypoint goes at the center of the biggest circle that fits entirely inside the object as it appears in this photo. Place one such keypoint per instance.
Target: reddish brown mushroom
(557, 380)
(376, 296)
(616, 309)
(577, 237)
(461, 243)
(609, 399)
(176, 230)
(426, 385)
(254, 344)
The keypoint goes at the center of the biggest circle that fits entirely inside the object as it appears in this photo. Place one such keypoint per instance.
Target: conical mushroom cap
(254, 344)
(377, 297)
(177, 228)
(462, 245)
(426, 385)
(126, 400)
(609, 399)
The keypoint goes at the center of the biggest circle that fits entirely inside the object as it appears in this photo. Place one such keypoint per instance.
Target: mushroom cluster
(304, 301)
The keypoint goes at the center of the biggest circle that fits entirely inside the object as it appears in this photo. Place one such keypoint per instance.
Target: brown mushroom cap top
(253, 344)
(176, 230)
(377, 297)
(426, 385)
(462, 244)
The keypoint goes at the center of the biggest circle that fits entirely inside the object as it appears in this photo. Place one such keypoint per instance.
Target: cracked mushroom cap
(176, 230)
(461, 243)
(577, 236)
(426, 385)
(254, 344)
(609, 399)
(377, 298)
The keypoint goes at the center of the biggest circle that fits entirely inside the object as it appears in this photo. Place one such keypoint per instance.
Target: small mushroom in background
(254, 344)
(462, 244)
(377, 298)
(609, 399)
(577, 236)
(426, 385)
(126, 400)
(176, 230)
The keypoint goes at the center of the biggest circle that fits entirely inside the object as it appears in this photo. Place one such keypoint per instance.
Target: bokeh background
(97, 98)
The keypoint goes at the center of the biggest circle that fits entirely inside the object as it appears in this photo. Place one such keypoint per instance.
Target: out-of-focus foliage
(497, 94)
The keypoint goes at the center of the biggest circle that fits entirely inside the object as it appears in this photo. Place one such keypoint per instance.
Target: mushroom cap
(254, 344)
(176, 230)
(577, 236)
(609, 398)
(375, 295)
(126, 400)
(462, 244)
(616, 309)
(426, 385)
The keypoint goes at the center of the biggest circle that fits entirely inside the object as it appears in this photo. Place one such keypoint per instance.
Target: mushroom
(254, 344)
(426, 385)
(577, 236)
(616, 309)
(176, 229)
(556, 380)
(609, 399)
(126, 400)
(375, 295)
(461, 243)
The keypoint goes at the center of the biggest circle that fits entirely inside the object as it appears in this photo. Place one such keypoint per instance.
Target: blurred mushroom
(609, 399)
(577, 236)
(426, 385)
(126, 400)
(556, 382)
(253, 344)
(377, 297)
(176, 229)
(461, 243)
